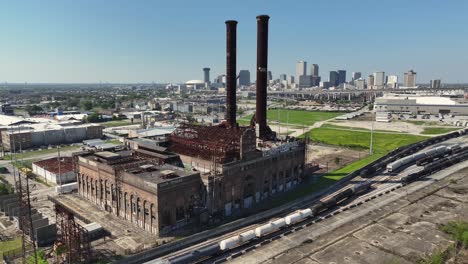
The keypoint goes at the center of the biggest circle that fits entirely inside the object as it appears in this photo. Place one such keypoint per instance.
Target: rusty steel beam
(262, 70)
(231, 80)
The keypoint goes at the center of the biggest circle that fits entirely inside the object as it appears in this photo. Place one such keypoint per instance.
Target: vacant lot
(382, 142)
(297, 117)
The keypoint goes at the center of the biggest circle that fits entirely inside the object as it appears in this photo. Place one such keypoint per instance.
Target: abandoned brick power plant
(208, 133)
(199, 172)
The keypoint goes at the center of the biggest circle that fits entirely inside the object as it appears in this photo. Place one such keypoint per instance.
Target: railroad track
(382, 183)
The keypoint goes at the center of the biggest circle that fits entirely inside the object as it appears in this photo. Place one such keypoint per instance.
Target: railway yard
(394, 182)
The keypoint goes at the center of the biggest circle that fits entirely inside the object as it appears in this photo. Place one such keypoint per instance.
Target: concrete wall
(53, 177)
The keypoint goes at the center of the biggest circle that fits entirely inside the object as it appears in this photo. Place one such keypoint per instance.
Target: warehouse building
(54, 170)
(402, 103)
(40, 135)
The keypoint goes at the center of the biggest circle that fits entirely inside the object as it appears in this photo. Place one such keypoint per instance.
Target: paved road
(39, 191)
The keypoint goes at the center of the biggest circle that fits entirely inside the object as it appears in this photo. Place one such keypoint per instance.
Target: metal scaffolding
(207, 142)
(73, 236)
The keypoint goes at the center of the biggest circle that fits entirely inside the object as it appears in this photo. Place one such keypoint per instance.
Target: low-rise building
(39, 135)
(55, 170)
(403, 103)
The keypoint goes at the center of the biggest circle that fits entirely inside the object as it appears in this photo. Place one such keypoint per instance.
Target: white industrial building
(416, 104)
(27, 133)
(54, 171)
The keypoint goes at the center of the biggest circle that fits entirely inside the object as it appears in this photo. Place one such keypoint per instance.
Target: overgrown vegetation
(41, 258)
(438, 257)
(458, 230)
(5, 187)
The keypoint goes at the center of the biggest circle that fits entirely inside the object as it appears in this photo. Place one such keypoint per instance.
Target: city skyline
(89, 42)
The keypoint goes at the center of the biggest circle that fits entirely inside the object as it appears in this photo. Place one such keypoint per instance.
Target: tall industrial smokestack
(231, 80)
(262, 70)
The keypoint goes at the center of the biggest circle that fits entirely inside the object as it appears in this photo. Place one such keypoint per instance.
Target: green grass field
(437, 130)
(296, 117)
(31, 154)
(382, 142)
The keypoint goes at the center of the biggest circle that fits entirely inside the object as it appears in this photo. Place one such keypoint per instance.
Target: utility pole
(59, 170)
(372, 137)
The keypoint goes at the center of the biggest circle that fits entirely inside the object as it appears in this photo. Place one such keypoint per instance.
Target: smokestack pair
(262, 69)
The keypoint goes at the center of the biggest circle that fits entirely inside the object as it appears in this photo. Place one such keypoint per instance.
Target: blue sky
(171, 41)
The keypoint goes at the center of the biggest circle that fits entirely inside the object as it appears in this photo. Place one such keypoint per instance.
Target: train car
(279, 223)
(207, 251)
(361, 188)
(229, 243)
(247, 236)
(306, 213)
(317, 208)
(183, 259)
(293, 218)
(263, 230)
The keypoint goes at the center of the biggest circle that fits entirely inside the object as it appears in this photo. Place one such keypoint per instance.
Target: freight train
(398, 164)
(404, 151)
(436, 166)
(271, 227)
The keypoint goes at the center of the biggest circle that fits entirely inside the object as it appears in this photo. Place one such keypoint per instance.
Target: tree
(87, 105)
(34, 109)
(93, 118)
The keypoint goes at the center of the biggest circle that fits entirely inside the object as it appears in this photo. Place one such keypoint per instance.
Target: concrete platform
(400, 227)
(126, 237)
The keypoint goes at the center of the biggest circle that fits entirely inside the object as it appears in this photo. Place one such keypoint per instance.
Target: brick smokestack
(262, 70)
(231, 80)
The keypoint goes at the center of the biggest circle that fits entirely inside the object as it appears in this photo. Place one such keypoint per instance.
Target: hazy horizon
(126, 42)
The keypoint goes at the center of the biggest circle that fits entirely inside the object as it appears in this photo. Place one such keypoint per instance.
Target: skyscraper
(435, 84)
(283, 77)
(355, 76)
(359, 83)
(301, 69)
(392, 81)
(206, 75)
(333, 78)
(379, 80)
(314, 70)
(410, 79)
(341, 76)
(269, 76)
(244, 78)
(370, 82)
(305, 81)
